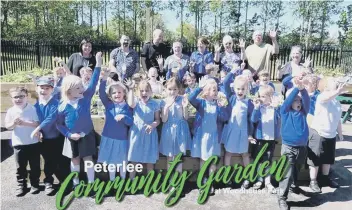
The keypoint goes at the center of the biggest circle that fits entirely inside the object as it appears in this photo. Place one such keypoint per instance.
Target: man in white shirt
(258, 54)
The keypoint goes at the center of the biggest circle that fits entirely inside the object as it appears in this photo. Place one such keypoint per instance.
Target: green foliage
(21, 76)
(326, 71)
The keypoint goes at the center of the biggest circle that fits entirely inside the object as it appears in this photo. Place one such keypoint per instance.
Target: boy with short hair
(53, 141)
(294, 132)
(322, 139)
(22, 119)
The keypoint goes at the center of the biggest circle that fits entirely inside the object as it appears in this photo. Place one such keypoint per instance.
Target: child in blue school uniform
(75, 120)
(238, 131)
(53, 140)
(266, 115)
(175, 134)
(294, 132)
(143, 136)
(118, 116)
(264, 79)
(210, 115)
(190, 81)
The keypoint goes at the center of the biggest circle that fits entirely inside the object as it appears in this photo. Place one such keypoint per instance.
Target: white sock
(112, 175)
(75, 168)
(90, 174)
(122, 173)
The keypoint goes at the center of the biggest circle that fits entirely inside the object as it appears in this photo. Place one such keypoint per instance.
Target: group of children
(132, 116)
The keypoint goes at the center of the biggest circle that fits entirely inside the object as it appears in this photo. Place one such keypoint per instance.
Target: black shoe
(314, 186)
(329, 182)
(295, 190)
(283, 205)
(49, 190)
(35, 189)
(21, 190)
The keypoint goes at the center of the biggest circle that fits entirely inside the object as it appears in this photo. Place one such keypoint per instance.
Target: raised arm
(227, 82)
(60, 125)
(112, 61)
(327, 96)
(94, 80)
(287, 82)
(130, 95)
(305, 101)
(102, 93)
(286, 106)
(275, 49)
(192, 98)
(217, 53)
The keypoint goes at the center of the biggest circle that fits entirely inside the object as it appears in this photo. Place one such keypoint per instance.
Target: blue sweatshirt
(257, 118)
(71, 120)
(313, 100)
(111, 125)
(47, 115)
(200, 105)
(294, 127)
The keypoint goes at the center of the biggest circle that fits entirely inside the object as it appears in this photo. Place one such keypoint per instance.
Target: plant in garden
(22, 76)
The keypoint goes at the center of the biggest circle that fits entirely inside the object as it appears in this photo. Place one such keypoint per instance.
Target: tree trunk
(82, 13)
(196, 21)
(135, 20)
(238, 23)
(148, 24)
(77, 13)
(98, 25)
(91, 14)
(118, 16)
(106, 20)
(220, 24)
(278, 16)
(245, 22)
(102, 17)
(265, 16)
(124, 17)
(323, 24)
(182, 5)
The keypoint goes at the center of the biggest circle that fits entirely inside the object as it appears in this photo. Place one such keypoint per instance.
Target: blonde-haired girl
(266, 115)
(75, 120)
(175, 134)
(238, 131)
(207, 124)
(118, 116)
(143, 136)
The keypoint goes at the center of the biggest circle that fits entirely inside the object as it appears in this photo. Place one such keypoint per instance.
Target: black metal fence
(25, 55)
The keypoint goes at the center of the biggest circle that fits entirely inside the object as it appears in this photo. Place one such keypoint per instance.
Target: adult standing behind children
(177, 64)
(83, 58)
(153, 53)
(124, 60)
(258, 54)
(229, 60)
(200, 58)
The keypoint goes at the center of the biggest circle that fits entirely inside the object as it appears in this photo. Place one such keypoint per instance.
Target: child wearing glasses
(22, 118)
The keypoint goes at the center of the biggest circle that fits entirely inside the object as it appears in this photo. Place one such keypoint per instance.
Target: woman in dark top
(84, 58)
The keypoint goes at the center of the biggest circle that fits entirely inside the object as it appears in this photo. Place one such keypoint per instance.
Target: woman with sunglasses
(229, 60)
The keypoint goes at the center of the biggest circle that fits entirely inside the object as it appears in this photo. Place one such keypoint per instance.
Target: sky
(172, 22)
